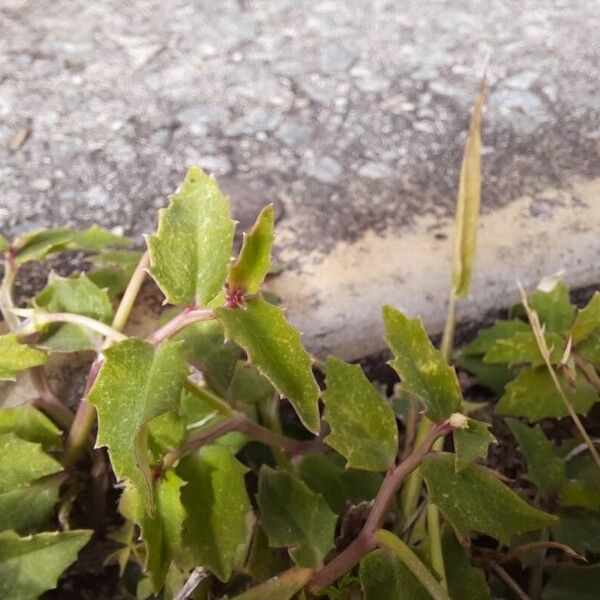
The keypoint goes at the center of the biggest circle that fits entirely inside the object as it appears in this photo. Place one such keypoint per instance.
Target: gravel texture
(348, 115)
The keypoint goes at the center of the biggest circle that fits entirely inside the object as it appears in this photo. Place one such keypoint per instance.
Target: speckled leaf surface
(544, 467)
(25, 509)
(30, 424)
(191, 250)
(476, 500)
(161, 532)
(294, 516)
(532, 394)
(76, 295)
(363, 425)
(383, 576)
(274, 346)
(254, 261)
(136, 383)
(471, 443)
(23, 462)
(31, 565)
(587, 320)
(36, 245)
(15, 357)
(421, 368)
(522, 348)
(219, 517)
(554, 307)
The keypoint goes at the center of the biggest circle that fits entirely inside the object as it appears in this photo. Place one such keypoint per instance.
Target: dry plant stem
(540, 545)
(365, 542)
(182, 320)
(508, 581)
(6, 291)
(538, 333)
(588, 370)
(193, 581)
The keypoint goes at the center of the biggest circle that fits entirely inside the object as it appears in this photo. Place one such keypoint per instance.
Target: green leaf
(464, 580)
(280, 587)
(73, 295)
(95, 239)
(31, 565)
(326, 475)
(533, 395)
(468, 202)
(161, 532)
(292, 515)
(36, 245)
(475, 500)
(522, 348)
(26, 509)
(219, 516)
(23, 462)
(493, 377)
(580, 494)
(274, 346)
(264, 562)
(248, 388)
(579, 529)
(544, 468)
(190, 253)
(554, 308)
(15, 357)
(363, 425)
(254, 261)
(383, 576)
(573, 583)
(4, 245)
(500, 330)
(136, 383)
(204, 345)
(421, 367)
(472, 443)
(113, 270)
(587, 320)
(30, 424)
(590, 348)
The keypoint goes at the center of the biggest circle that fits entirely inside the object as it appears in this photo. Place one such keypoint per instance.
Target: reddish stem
(365, 542)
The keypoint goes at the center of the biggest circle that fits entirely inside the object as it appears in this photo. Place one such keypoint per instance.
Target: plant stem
(588, 370)
(539, 545)
(6, 291)
(448, 335)
(538, 333)
(508, 581)
(79, 434)
(81, 320)
(183, 319)
(131, 293)
(237, 421)
(411, 560)
(209, 398)
(435, 541)
(199, 439)
(365, 541)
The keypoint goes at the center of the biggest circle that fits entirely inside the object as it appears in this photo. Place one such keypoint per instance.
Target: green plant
(216, 489)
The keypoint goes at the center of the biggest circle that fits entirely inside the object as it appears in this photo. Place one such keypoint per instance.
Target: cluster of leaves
(507, 359)
(219, 480)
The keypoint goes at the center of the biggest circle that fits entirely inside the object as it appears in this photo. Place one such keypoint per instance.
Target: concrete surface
(349, 116)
